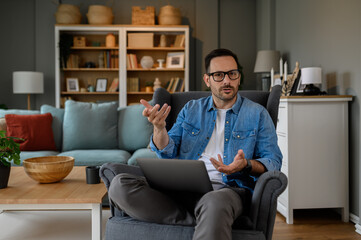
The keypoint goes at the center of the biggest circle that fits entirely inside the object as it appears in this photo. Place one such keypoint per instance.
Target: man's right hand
(157, 118)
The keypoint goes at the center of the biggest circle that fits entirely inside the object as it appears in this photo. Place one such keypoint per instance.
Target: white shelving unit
(89, 53)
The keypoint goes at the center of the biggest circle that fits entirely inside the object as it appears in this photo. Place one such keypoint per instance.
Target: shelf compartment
(156, 70)
(91, 69)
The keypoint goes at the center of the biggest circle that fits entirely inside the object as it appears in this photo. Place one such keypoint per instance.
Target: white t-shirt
(215, 146)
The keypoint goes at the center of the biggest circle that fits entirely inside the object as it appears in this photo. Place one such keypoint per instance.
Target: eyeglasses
(219, 76)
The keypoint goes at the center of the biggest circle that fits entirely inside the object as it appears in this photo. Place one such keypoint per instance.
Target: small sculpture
(163, 41)
(157, 84)
(101, 60)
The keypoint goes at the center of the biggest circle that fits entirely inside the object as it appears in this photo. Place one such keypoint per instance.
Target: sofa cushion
(97, 157)
(35, 129)
(134, 130)
(90, 125)
(141, 153)
(3, 112)
(57, 125)
(31, 154)
(124, 228)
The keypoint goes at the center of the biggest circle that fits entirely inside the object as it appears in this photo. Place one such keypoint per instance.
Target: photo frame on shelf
(101, 85)
(72, 85)
(300, 86)
(175, 60)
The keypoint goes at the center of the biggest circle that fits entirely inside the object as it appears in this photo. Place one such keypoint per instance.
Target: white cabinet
(313, 137)
(95, 37)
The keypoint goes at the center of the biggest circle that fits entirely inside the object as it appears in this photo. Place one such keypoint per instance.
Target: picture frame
(72, 84)
(101, 85)
(300, 86)
(175, 60)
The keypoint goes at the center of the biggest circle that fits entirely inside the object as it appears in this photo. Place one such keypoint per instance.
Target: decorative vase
(110, 40)
(146, 62)
(148, 89)
(4, 175)
(163, 41)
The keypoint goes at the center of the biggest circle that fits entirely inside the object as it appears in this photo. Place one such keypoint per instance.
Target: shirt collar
(235, 108)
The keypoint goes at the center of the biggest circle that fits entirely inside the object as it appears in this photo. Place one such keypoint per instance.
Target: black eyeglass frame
(224, 75)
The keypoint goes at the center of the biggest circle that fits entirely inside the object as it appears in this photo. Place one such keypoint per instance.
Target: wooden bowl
(48, 169)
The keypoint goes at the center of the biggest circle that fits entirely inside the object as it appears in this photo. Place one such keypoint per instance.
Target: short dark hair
(220, 52)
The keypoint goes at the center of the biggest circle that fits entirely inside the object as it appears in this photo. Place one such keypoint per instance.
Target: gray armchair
(257, 224)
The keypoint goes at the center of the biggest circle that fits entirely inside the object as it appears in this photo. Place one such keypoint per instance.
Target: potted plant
(9, 152)
(148, 86)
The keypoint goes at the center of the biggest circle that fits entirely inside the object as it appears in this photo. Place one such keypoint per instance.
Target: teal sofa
(95, 134)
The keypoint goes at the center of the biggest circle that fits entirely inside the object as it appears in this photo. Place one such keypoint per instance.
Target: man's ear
(206, 79)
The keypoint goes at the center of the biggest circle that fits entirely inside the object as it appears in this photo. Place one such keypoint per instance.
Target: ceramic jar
(146, 62)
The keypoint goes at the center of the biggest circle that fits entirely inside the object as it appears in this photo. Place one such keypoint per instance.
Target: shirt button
(226, 139)
(224, 156)
(193, 133)
(227, 122)
(238, 136)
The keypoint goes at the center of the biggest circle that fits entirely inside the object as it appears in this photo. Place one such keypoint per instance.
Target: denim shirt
(248, 126)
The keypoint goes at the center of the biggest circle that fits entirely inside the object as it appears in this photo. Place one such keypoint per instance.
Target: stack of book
(132, 62)
(179, 41)
(111, 59)
(73, 61)
(133, 84)
(175, 85)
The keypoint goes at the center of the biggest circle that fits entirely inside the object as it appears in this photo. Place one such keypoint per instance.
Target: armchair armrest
(264, 201)
(108, 171)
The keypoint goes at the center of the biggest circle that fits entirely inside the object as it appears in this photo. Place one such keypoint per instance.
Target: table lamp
(265, 61)
(309, 77)
(28, 83)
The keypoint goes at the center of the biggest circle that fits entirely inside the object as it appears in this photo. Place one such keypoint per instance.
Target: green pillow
(134, 130)
(57, 124)
(90, 125)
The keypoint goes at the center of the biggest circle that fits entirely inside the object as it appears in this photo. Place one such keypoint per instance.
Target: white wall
(326, 33)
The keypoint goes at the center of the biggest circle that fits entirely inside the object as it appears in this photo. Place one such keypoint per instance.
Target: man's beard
(223, 96)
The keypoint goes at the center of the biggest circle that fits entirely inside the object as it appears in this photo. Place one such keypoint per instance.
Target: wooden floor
(314, 224)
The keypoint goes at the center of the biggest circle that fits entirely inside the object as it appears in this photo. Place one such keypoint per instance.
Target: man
(234, 136)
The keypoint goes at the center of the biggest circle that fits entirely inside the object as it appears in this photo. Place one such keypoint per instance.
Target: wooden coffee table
(23, 193)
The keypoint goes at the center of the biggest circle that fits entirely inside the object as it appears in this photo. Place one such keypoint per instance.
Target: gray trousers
(212, 214)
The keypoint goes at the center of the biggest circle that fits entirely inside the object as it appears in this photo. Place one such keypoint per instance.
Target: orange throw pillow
(34, 129)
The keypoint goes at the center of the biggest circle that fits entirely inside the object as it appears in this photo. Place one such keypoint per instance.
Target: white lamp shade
(311, 75)
(28, 82)
(266, 60)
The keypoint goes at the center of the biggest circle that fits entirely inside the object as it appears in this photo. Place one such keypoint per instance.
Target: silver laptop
(176, 174)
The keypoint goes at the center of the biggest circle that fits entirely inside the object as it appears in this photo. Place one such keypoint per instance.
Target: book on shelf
(170, 85)
(132, 84)
(111, 58)
(132, 62)
(180, 85)
(114, 87)
(73, 61)
(179, 40)
(175, 85)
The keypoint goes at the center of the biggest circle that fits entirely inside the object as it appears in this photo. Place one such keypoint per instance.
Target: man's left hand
(239, 162)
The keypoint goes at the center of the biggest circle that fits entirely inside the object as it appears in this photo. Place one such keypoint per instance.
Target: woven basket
(68, 14)
(169, 15)
(98, 14)
(143, 17)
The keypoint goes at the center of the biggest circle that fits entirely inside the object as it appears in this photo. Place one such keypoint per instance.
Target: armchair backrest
(270, 100)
